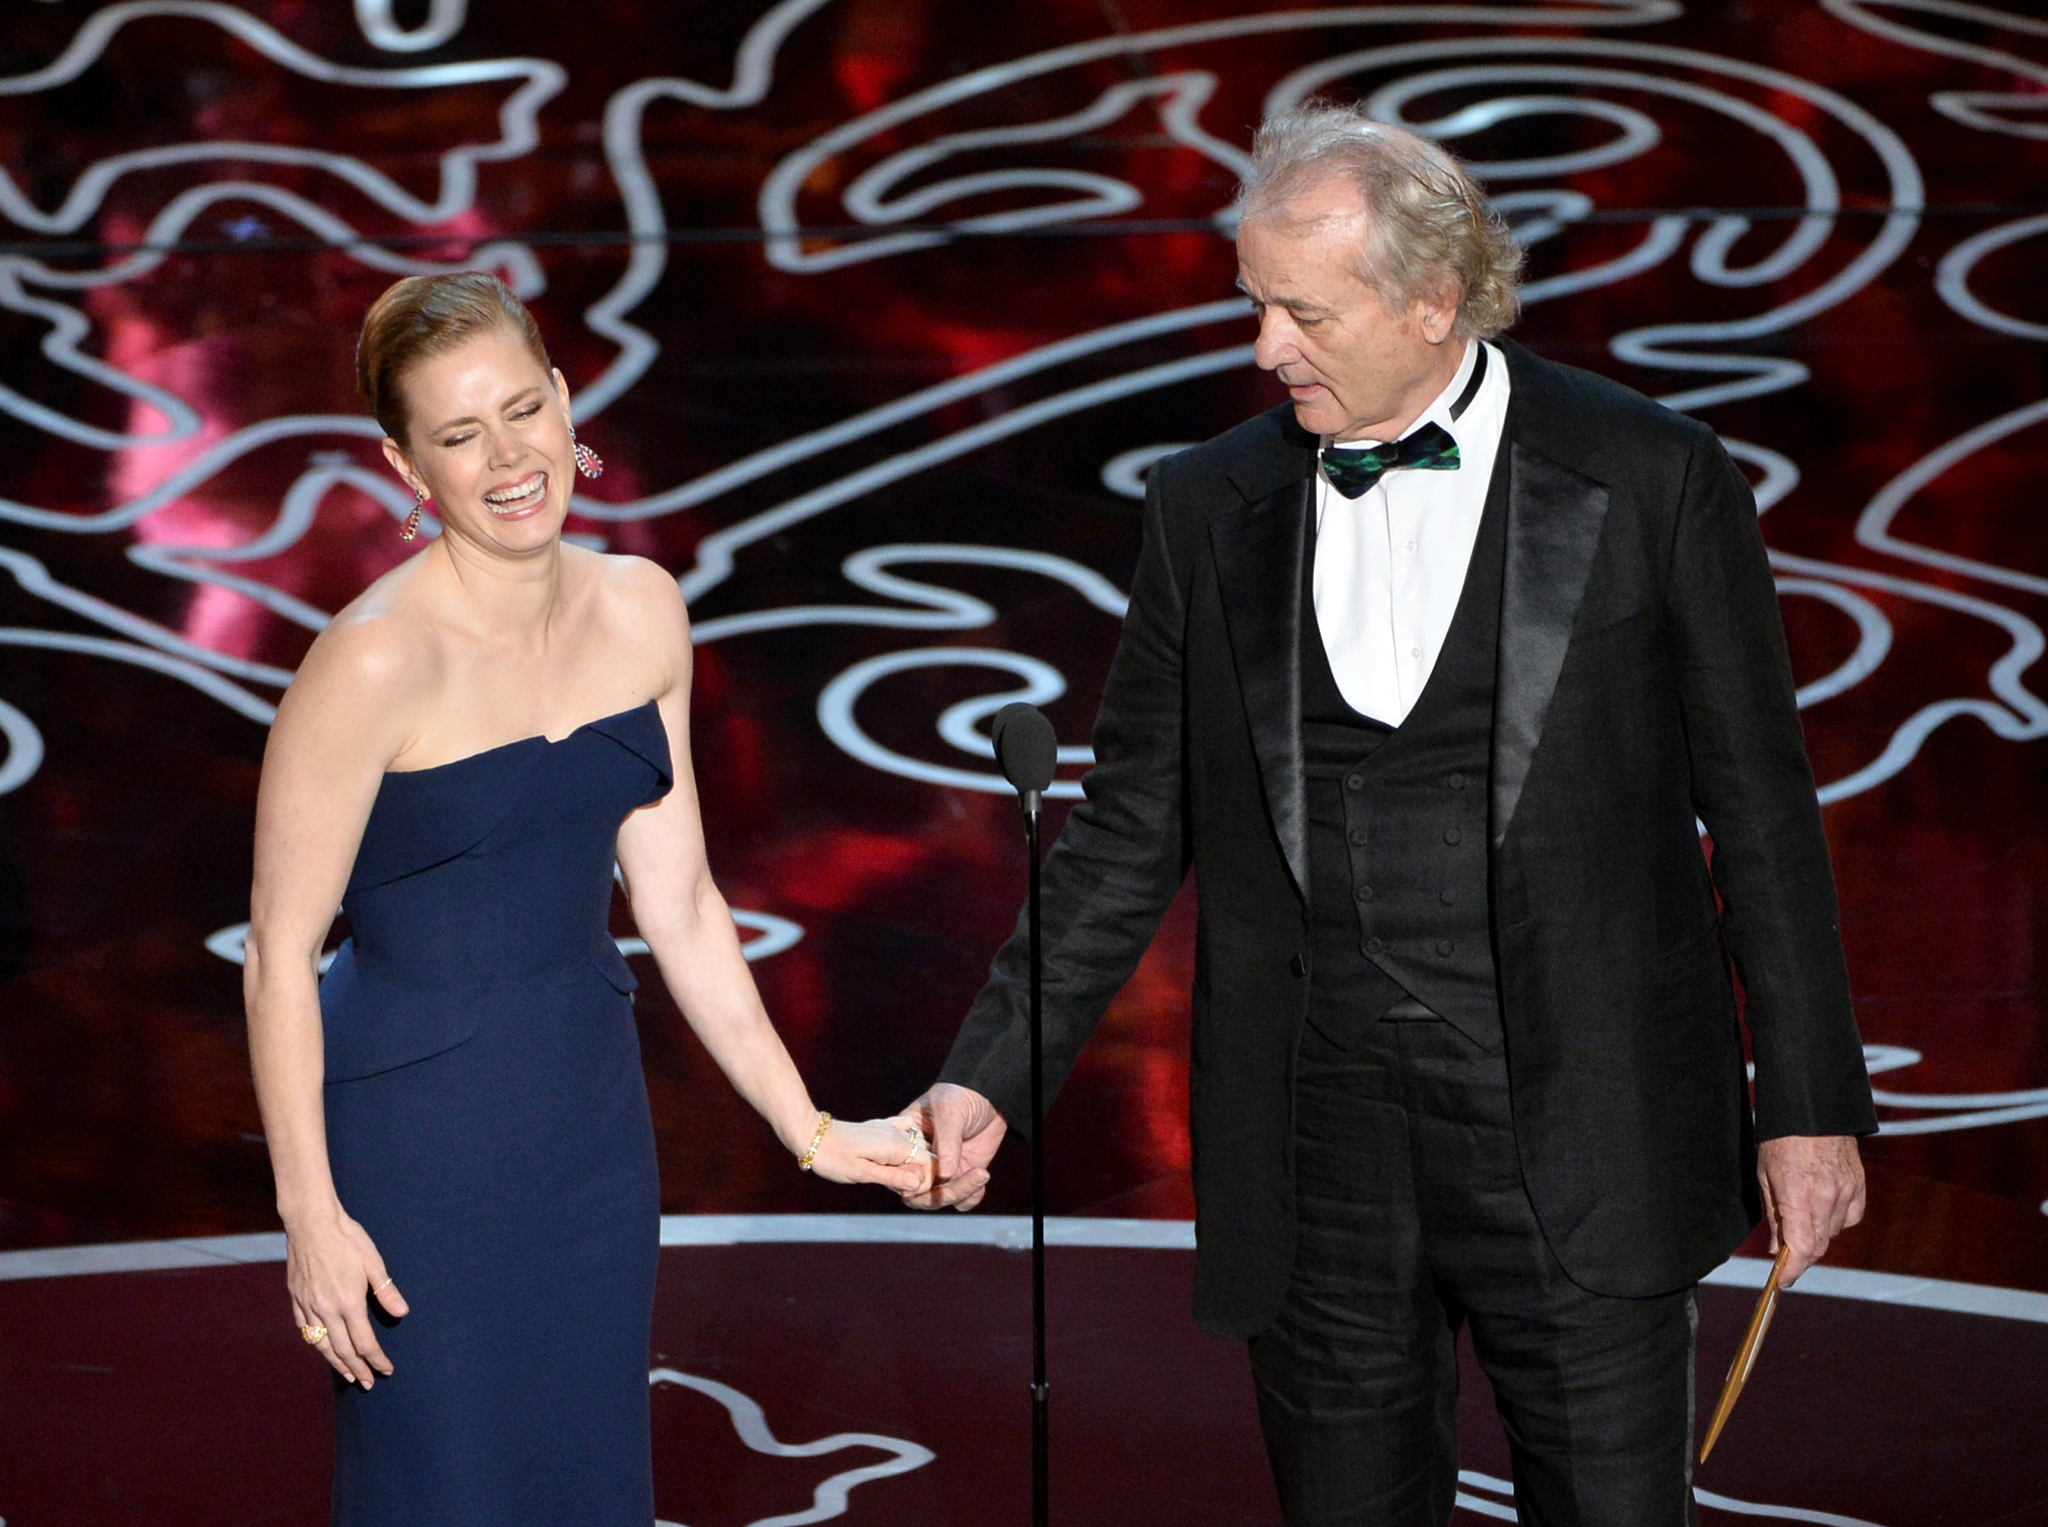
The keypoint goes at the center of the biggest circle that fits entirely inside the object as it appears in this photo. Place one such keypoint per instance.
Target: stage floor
(878, 310)
(815, 1368)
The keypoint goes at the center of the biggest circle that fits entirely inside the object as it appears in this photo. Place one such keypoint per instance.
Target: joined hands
(965, 1129)
(881, 1151)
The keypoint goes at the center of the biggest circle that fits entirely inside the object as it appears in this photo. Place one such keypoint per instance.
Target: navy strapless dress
(488, 1124)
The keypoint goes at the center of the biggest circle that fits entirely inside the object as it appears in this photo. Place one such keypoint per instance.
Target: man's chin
(1315, 415)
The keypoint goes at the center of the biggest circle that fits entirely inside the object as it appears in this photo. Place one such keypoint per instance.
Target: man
(1433, 721)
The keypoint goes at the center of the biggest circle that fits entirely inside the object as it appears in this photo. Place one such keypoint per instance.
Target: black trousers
(1413, 1221)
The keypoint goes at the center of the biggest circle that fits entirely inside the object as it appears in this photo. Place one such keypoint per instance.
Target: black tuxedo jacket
(1642, 681)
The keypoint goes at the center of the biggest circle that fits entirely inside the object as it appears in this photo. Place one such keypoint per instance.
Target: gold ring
(917, 1145)
(314, 1334)
(381, 1287)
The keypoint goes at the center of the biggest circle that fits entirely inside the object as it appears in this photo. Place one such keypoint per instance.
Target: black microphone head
(1026, 748)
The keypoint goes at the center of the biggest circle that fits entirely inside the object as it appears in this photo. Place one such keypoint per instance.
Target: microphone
(1026, 750)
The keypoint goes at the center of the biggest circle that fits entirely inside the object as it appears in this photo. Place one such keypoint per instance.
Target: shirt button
(1363, 893)
(1358, 836)
(1415, 652)
(1411, 546)
(1354, 782)
(1456, 781)
(1448, 898)
(1375, 946)
(1444, 947)
(1451, 836)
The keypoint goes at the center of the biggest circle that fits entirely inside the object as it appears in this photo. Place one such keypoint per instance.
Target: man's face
(1355, 367)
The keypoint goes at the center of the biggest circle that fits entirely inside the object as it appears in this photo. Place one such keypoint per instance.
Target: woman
(472, 1207)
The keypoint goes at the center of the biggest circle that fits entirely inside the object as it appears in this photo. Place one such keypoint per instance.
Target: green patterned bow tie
(1352, 473)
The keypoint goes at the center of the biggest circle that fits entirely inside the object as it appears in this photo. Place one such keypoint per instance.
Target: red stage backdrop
(878, 310)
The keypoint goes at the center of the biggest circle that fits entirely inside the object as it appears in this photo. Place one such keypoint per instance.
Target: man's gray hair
(1425, 217)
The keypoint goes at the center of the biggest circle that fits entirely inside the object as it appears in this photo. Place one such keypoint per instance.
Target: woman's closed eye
(518, 416)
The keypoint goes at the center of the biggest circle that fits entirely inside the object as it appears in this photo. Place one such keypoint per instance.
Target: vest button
(1444, 947)
(1363, 893)
(1448, 898)
(1456, 781)
(1451, 837)
(1298, 966)
(1359, 836)
(1375, 946)
(1354, 782)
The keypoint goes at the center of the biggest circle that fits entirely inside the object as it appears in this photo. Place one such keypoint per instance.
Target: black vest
(1398, 820)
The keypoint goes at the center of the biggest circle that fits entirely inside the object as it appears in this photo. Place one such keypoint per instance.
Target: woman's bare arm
(690, 931)
(340, 724)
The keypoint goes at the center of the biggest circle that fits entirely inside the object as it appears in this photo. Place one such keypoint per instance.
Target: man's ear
(1438, 311)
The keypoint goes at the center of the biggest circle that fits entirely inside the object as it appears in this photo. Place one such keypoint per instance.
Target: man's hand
(965, 1130)
(1813, 1191)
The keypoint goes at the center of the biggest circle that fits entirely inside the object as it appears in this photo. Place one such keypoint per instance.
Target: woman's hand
(332, 1270)
(882, 1151)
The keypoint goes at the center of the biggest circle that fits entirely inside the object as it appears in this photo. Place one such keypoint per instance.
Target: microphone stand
(1041, 1388)
(1029, 754)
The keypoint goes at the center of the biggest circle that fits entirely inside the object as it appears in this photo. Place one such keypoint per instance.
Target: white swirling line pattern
(830, 1498)
(751, 1423)
(1178, 97)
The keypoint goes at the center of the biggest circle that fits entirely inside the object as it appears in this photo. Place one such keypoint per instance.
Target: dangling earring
(411, 527)
(588, 462)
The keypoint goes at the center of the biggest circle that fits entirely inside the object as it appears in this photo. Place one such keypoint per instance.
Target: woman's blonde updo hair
(430, 315)
(1425, 218)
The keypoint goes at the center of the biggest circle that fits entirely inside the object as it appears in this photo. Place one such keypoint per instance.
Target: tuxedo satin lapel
(1259, 550)
(1554, 521)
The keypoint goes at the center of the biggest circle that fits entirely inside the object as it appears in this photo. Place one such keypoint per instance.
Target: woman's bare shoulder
(638, 595)
(370, 668)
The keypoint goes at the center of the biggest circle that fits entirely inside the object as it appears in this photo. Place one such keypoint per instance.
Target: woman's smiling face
(488, 439)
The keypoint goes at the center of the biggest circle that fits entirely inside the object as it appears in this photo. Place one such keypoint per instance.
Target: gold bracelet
(824, 1123)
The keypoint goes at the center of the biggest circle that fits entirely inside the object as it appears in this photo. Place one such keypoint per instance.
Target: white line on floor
(1007, 1231)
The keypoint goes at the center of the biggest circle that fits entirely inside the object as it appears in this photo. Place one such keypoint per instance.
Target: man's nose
(1275, 346)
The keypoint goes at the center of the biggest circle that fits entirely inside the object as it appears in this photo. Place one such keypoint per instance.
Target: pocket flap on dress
(604, 954)
(372, 1025)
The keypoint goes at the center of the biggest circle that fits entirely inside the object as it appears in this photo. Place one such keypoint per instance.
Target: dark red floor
(798, 422)
(197, 1404)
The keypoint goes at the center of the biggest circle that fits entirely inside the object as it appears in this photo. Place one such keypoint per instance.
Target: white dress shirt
(1391, 564)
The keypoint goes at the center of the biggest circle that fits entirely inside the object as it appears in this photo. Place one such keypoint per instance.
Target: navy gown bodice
(479, 875)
